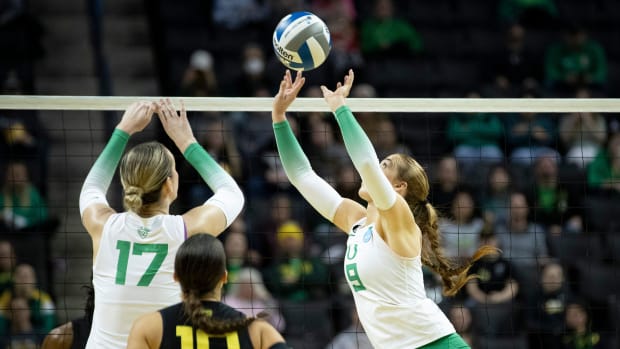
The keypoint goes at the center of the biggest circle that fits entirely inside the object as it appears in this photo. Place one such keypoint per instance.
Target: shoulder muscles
(146, 332)
(265, 336)
(348, 213)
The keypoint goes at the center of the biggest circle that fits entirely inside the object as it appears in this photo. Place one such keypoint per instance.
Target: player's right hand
(136, 117)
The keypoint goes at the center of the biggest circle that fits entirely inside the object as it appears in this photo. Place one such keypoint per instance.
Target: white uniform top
(133, 274)
(389, 293)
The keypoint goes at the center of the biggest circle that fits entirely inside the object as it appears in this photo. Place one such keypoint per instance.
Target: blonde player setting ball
(133, 251)
(388, 240)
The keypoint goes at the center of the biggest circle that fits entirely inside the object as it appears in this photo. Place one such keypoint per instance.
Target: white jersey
(133, 274)
(389, 293)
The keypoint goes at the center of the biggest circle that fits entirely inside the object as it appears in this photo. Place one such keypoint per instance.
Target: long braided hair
(453, 274)
(200, 264)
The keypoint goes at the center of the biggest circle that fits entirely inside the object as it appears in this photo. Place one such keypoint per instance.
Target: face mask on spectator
(254, 66)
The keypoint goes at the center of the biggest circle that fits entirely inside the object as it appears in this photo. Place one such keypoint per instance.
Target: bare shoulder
(205, 219)
(95, 217)
(263, 334)
(146, 332)
(400, 230)
(348, 213)
(59, 338)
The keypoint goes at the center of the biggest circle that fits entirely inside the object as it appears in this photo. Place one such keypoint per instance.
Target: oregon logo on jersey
(351, 269)
(143, 232)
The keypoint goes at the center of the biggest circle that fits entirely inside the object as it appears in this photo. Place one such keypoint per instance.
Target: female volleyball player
(133, 251)
(202, 320)
(388, 240)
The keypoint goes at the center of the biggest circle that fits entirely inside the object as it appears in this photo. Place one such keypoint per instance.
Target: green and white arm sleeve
(364, 158)
(100, 175)
(227, 196)
(314, 189)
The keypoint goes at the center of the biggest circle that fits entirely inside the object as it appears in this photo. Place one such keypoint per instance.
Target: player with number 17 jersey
(133, 272)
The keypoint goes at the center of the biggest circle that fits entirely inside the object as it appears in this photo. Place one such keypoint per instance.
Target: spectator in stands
(42, 310)
(295, 276)
(253, 76)
(218, 142)
(25, 139)
(386, 141)
(236, 247)
(340, 17)
(523, 241)
(18, 140)
(496, 196)
(582, 134)
(323, 147)
(545, 314)
(200, 79)
(515, 66)
(73, 334)
(556, 206)
(348, 182)
(368, 120)
(262, 237)
(535, 13)
(581, 334)
(385, 35)
(22, 333)
(7, 265)
(462, 228)
(460, 316)
(445, 185)
(353, 336)
(22, 204)
(249, 295)
(476, 137)
(531, 135)
(239, 14)
(281, 8)
(574, 62)
(496, 283)
(258, 148)
(604, 170)
(21, 46)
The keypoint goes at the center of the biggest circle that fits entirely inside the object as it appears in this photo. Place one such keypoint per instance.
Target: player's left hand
(337, 98)
(176, 124)
(136, 117)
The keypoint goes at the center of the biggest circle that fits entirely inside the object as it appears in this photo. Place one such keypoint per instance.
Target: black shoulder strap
(280, 345)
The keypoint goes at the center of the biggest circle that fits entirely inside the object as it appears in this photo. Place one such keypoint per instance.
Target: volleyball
(301, 41)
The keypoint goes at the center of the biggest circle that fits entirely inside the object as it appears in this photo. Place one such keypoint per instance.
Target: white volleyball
(301, 41)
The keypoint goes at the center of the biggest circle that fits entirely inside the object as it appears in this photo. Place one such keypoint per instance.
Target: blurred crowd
(544, 188)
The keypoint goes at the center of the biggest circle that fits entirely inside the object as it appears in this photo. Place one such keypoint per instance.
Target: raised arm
(94, 207)
(314, 189)
(219, 211)
(396, 215)
(359, 147)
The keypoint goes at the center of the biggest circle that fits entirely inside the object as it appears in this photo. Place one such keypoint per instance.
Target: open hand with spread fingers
(175, 124)
(337, 98)
(287, 93)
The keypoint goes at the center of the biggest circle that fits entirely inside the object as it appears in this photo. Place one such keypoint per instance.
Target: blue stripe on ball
(284, 24)
(306, 56)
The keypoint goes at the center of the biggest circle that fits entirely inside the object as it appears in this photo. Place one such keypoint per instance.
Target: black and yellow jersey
(178, 332)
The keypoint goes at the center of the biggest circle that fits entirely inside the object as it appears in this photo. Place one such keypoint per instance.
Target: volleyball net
(557, 155)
